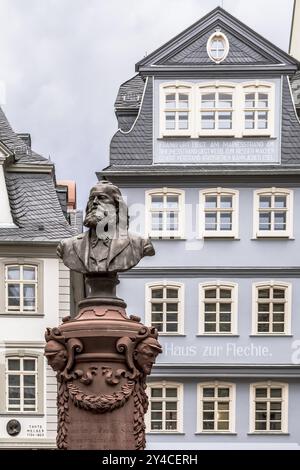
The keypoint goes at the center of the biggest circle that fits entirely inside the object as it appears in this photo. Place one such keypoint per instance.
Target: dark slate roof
(135, 147)
(33, 199)
(290, 139)
(35, 209)
(296, 88)
(196, 53)
(130, 93)
(23, 153)
(126, 121)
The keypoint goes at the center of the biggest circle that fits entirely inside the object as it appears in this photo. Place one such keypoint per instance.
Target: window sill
(217, 433)
(167, 237)
(216, 335)
(224, 135)
(166, 433)
(268, 433)
(219, 237)
(258, 134)
(20, 314)
(268, 335)
(166, 135)
(273, 237)
(31, 414)
(182, 335)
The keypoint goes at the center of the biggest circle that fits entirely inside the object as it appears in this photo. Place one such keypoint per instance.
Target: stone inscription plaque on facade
(35, 430)
(217, 151)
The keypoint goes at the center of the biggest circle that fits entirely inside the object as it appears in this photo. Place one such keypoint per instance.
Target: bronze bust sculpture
(101, 356)
(107, 246)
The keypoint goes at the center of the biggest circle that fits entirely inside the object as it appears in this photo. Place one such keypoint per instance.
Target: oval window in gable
(217, 47)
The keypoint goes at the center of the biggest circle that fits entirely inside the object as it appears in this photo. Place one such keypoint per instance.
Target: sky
(62, 62)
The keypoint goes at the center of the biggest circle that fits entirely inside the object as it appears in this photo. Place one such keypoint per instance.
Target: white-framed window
(21, 283)
(273, 213)
(217, 47)
(165, 213)
(218, 308)
(272, 308)
(165, 407)
(268, 408)
(21, 384)
(216, 108)
(176, 105)
(258, 102)
(165, 307)
(219, 213)
(216, 407)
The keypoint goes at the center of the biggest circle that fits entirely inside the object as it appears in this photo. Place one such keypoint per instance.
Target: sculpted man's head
(56, 355)
(146, 353)
(106, 207)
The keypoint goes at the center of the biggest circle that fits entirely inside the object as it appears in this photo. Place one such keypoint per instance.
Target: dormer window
(217, 108)
(217, 47)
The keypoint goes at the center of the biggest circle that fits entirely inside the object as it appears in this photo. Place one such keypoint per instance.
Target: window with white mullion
(269, 408)
(21, 389)
(273, 213)
(216, 111)
(257, 110)
(164, 408)
(165, 308)
(164, 213)
(216, 408)
(177, 110)
(21, 288)
(218, 310)
(219, 213)
(272, 307)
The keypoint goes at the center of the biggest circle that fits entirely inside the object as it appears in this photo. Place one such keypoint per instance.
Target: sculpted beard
(93, 215)
(105, 213)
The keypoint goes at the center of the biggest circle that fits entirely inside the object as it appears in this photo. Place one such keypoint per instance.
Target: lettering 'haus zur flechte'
(207, 155)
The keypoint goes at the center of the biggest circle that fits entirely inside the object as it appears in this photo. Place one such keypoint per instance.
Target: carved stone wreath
(100, 403)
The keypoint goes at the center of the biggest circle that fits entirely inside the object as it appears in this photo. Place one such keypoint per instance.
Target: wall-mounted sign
(35, 430)
(217, 151)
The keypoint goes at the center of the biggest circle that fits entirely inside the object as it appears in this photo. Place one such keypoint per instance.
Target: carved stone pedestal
(101, 358)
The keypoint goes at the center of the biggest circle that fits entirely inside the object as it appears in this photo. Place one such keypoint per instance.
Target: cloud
(62, 62)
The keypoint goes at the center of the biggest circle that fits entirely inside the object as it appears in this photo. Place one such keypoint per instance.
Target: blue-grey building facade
(208, 156)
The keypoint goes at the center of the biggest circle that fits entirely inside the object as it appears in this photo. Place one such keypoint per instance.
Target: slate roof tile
(33, 199)
(34, 204)
(136, 146)
(196, 53)
(23, 153)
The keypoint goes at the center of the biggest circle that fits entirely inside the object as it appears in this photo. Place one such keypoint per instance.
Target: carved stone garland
(135, 385)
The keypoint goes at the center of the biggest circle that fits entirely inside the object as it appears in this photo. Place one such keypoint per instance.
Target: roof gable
(246, 47)
(239, 51)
